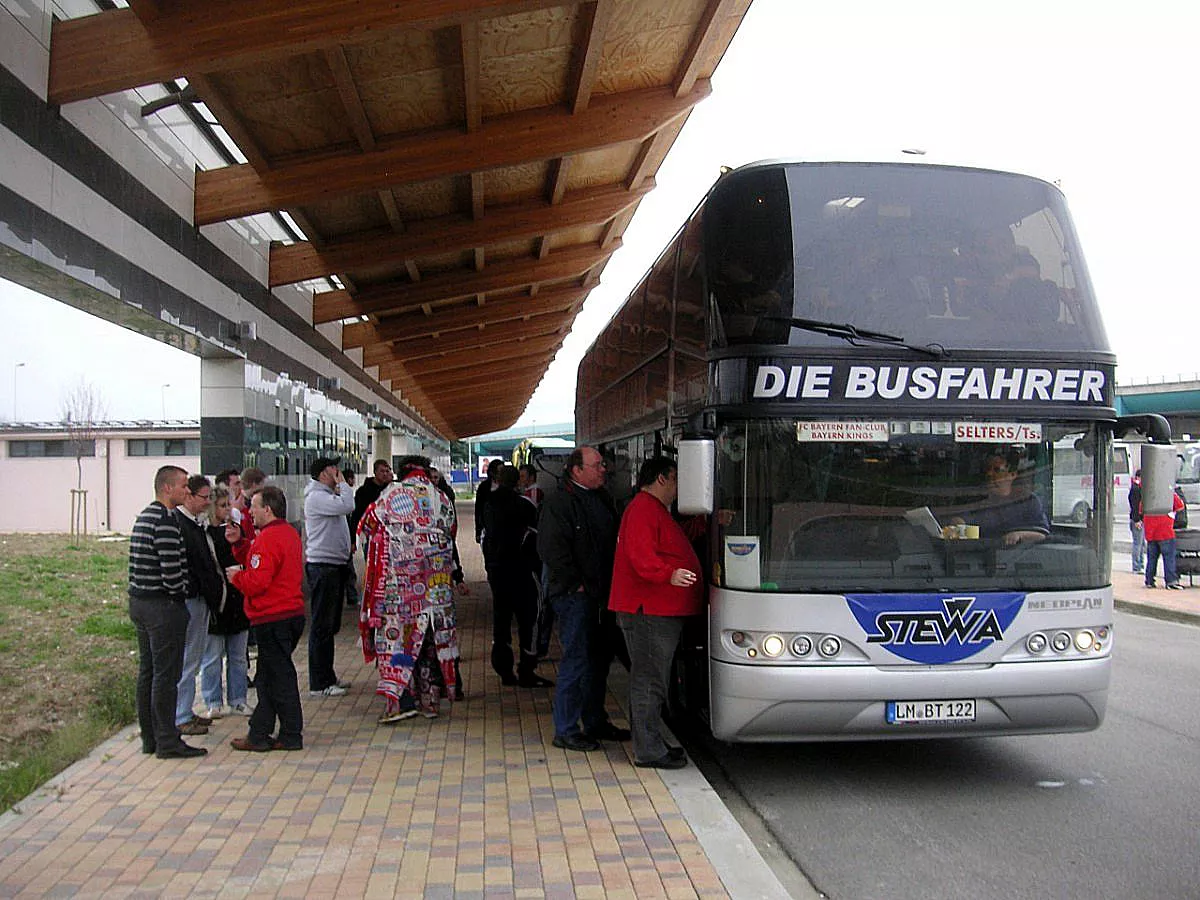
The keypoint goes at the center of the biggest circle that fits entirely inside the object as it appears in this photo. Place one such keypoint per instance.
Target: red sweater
(271, 581)
(1162, 528)
(650, 546)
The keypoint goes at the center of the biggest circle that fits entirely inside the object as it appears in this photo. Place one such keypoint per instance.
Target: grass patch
(67, 655)
(111, 708)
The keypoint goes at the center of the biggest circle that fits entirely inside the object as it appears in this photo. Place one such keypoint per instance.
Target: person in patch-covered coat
(408, 616)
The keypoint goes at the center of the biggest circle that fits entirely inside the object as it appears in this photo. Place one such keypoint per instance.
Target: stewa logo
(934, 628)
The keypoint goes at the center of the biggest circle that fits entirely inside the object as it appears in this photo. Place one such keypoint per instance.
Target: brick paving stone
(476, 803)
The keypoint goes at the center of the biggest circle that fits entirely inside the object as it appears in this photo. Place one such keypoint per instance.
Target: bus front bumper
(827, 703)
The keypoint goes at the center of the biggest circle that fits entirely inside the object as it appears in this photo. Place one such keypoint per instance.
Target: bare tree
(83, 409)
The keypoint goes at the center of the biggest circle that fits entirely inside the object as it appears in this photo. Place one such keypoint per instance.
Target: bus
(881, 376)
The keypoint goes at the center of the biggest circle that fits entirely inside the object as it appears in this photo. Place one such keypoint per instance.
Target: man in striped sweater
(157, 594)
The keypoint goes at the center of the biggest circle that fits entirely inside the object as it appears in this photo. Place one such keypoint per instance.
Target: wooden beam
(339, 67)
(693, 57)
(469, 44)
(146, 10)
(114, 50)
(302, 261)
(473, 338)
(515, 139)
(230, 121)
(391, 210)
(478, 396)
(500, 372)
(450, 320)
(597, 17)
(647, 159)
(467, 359)
(330, 306)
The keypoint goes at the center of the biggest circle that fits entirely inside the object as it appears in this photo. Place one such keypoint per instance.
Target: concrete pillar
(222, 414)
(382, 444)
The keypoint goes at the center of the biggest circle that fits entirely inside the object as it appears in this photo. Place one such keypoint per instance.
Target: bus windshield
(933, 255)
(899, 506)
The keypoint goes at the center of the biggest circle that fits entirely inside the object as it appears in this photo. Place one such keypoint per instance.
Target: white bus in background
(1189, 473)
(1074, 480)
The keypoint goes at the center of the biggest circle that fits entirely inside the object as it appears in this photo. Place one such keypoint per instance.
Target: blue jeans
(1138, 533)
(233, 648)
(1165, 549)
(193, 653)
(582, 682)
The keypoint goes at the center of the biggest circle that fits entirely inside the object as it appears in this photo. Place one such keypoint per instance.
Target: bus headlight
(772, 645)
(1036, 643)
(829, 647)
(802, 646)
(1084, 640)
(1061, 642)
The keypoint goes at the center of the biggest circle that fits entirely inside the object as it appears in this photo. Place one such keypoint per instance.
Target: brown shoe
(192, 728)
(200, 720)
(244, 744)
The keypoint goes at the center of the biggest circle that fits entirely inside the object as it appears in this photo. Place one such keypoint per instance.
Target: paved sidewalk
(1131, 594)
(476, 803)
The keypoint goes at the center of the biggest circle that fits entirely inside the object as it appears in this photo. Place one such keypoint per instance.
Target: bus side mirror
(697, 476)
(1159, 465)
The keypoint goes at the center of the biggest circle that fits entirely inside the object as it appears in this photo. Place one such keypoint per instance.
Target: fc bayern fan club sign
(940, 383)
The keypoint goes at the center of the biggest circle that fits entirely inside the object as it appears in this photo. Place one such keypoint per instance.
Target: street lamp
(163, 393)
(15, 367)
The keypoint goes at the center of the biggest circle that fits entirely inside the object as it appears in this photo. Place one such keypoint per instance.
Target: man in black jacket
(203, 592)
(368, 493)
(483, 495)
(577, 537)
(510, 520)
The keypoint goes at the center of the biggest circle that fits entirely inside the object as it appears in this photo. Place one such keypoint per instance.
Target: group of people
(208, 564)
(619, 587)
(1154, 536)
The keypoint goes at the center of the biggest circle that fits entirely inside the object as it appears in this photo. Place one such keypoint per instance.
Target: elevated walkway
(476, 803)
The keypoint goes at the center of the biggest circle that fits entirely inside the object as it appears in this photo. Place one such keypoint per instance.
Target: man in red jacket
(655, 586)
(269, 577)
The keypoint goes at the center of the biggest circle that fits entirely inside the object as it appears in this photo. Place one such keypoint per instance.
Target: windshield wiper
(858, 336)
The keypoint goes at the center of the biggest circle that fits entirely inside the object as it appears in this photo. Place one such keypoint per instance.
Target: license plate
(916, 712)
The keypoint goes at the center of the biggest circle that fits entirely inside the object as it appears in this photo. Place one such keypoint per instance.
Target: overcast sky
(1096, 96)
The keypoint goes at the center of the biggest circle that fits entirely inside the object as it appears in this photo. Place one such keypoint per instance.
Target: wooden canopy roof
(465, 168)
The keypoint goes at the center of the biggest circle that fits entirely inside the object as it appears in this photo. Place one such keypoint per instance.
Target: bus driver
(1017, 519)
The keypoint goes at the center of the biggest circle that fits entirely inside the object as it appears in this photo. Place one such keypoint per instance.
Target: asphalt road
(1112, 813)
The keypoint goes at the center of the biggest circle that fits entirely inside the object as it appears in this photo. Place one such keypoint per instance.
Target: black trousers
(514, 594)
(161, 626)
(275, 681)
(327, 596)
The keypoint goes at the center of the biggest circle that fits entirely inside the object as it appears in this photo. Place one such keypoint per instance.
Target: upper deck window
(960, 258)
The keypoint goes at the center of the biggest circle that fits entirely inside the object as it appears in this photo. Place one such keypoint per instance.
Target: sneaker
(240, 709)
(334, 690)
(193, 728)
(1175, 586)
(201, 720)
(215, 712)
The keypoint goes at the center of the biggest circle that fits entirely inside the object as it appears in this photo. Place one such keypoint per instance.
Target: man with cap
(328, 500)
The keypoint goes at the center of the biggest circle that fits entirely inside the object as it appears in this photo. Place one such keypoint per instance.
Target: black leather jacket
(573, 553)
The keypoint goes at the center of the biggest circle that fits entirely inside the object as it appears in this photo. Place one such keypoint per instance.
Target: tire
(1081, 512)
